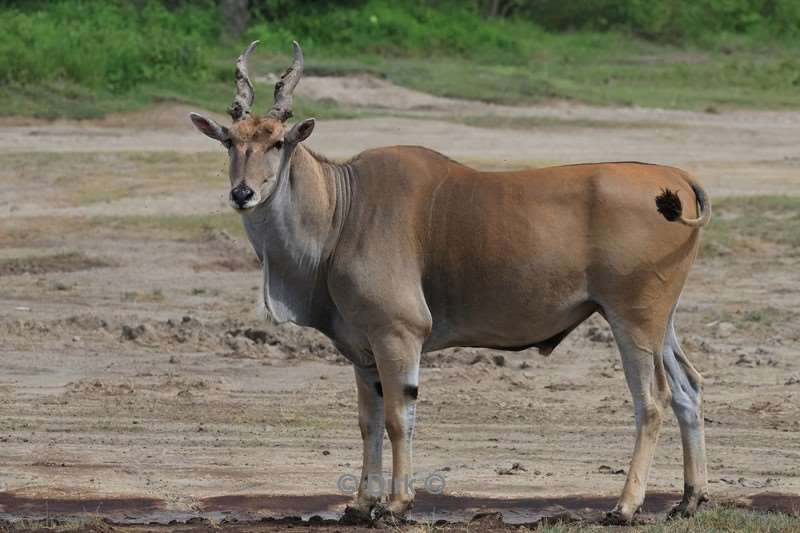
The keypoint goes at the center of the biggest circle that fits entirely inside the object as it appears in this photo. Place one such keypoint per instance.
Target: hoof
(687, 507)
(616, 518)
(360, 515)
(399, 507)
(393, 513)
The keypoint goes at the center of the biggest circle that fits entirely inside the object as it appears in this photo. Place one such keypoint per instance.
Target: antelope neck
(295, 232)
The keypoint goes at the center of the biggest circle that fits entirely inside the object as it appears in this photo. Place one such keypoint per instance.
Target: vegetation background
(83, 58)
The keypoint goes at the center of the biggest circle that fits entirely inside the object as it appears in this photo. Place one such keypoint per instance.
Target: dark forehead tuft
(258, 129)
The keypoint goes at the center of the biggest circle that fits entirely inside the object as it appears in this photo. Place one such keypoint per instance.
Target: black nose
(241, 194)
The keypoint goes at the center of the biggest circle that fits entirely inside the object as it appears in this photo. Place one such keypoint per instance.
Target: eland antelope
(401, 251)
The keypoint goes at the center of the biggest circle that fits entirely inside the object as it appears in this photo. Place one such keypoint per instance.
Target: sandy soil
(138, 382)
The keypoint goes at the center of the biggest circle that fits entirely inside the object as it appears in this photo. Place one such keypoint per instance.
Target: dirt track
(152, 379)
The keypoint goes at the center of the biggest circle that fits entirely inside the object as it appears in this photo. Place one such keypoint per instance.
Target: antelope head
(259, 148)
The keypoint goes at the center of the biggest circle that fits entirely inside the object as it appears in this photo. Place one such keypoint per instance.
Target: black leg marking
(411, 391)
(379, 388)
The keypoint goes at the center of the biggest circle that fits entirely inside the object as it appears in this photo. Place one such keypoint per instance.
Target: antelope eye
(278, 145)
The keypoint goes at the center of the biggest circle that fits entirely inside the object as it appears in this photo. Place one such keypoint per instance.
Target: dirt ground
(139, 383)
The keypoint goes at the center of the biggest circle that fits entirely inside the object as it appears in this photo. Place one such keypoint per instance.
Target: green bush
(108, 45)
(667, 20)
(84, 58)
(658, 20)
(390, 28)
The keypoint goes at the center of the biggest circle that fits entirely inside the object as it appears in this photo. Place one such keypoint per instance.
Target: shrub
(111, 45)
(667, 20)
(382, 26)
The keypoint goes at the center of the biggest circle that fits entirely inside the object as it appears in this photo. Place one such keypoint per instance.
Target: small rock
(705, 347)
(748, 361)
(131, 333)
(516, 468)
(326, 452)
(499, 360)
(239, 344)
(523, 365)
(487, 521)
(258, 336)
(557, 520)
(190, 322)
(793, 379)
(479, 358)
(605, 469)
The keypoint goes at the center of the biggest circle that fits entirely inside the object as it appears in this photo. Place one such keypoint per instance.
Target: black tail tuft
(669, 205)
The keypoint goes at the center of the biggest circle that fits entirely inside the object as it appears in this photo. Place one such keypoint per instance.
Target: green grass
(65, 99)
(103, 45)
(114, 58)
(466, 29)
(626, 76)
(621, 71)
(59, 99)
(749, 223)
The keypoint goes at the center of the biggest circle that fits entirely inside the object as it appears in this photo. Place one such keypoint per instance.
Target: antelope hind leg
(644, 372)
(687, 402)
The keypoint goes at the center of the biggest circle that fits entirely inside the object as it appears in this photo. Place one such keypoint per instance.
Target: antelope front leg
(370, 420)
(397, 356)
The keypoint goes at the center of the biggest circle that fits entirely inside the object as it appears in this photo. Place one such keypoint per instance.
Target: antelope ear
(209, 127)
(300, 131)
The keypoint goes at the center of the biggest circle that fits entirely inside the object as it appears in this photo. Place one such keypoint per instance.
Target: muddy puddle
(329, 508)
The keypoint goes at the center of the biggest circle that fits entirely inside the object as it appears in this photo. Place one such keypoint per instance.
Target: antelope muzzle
(242, 196)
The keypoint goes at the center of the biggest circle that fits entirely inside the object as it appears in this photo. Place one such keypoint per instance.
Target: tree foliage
(110, 45)
(660, 20)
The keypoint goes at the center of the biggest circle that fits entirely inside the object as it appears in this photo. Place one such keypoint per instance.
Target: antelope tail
(669, 205)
